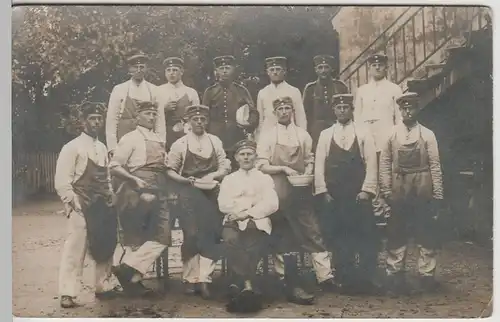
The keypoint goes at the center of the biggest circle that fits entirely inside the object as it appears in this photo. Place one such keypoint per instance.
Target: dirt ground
(38, 234)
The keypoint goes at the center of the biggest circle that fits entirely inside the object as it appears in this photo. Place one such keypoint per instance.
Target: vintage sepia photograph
(252, 161)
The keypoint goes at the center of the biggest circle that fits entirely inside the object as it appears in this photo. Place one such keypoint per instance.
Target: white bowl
(300, 180)
(205, 185)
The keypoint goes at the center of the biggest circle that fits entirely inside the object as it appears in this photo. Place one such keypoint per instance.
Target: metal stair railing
(415, 41)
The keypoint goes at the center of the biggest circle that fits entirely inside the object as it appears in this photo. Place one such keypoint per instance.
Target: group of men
(222, 169)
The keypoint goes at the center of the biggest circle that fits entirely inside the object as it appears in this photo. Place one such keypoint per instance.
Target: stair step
(434, 69)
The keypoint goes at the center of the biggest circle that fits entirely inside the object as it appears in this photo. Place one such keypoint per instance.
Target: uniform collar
(142, 83)
(290, 126)
(195, 136)
(144, 129)
(282, 84)
(376, 83)
(179, 84)
(87, 137)
(348, 124)
(247, 173)
(408, 129)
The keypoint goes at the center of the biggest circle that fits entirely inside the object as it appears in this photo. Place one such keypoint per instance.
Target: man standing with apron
(224, 99)
(197, 155)
(139, 166)
(375, 106)
(286, 150)
(345, 175)
(276, 68)
(175, 97)
(247, 198)
(412, 181)
(82, 181)
(122, 107)
(318, 96)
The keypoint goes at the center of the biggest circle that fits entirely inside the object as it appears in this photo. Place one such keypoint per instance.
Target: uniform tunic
(318, 104)
(410, 173)
(265, 99)
(223, 103)
(119, 113)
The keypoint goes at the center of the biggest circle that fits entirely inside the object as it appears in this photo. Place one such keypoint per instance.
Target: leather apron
(197, 209)
(140, 221)
(95, 197)
(295, 225)
(127, 122)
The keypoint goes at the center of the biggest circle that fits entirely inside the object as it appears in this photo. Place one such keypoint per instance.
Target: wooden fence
(33, 173)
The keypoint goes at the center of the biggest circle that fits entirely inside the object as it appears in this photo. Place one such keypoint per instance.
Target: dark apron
(197, 209)
(93, 192)
(128, 122)
(412, 201)
(295, 225)
(139, 220)
(175, 121)
(349, 227)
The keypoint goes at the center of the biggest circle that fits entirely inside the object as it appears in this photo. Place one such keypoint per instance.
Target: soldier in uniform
(318, 96)
(175, 97)
(375, 107)
(122, 107)
(224, 99)
(276, 70)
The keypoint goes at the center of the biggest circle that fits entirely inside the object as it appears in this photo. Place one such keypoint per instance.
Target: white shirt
(145, 91)
(250, 191)
(290, 135)
(173, 92)
(344, 135)
(131, 150)
(265, 107)
(366, 149)
(376, 100)
(72, 162)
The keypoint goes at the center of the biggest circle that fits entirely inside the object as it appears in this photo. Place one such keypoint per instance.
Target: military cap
(173, 62)
(323, 59)
(139, 58)
(276, 61)
(224, 61)
(145, 106)
(244, 144)
(407, 99)
(341, 99)
(282, 101)
(88, 108)
(378, 58)
(196, 110)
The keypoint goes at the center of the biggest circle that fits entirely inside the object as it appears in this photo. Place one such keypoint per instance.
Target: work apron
(197, 209)
(128, 122)
(349, 226)
(95, 197)
(176, 125)
(295, 225)
(141, 221)
(412, 201)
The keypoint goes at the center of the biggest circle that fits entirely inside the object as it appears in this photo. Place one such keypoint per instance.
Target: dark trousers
(244, 249)
(350, 231)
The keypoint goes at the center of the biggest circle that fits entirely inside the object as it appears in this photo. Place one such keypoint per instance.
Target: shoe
(139, 290)
(397, 285)
(190, 288)
(246, 301)
(299, 296)
(124, 274)
(67, 302)
(233, 290)
(204, 291)
(329, 285)
(108, 295)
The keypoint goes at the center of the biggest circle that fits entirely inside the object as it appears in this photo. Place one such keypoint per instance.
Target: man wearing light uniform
(175, 97)
(140, 170)
(276, 70)
(318, 96)
(122, 107)
(286, 150)
(346, 176)
(411, 180)
(198, 155)
(82, 181)
(247, 198)
(375, 107)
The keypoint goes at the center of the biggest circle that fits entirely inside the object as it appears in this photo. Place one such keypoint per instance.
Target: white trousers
(396, 260)
(198, 269)
(321, 264)
(143, 257)
(72, 261)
